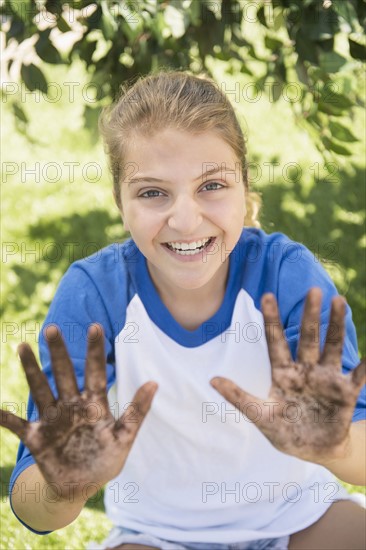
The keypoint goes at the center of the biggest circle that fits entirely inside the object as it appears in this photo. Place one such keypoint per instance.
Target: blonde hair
(172, 99)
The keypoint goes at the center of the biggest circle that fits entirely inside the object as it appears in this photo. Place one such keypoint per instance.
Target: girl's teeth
(187, 252)
(185, 249)
(188, 246)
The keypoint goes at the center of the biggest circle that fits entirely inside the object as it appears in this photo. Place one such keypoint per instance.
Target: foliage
(308, 51)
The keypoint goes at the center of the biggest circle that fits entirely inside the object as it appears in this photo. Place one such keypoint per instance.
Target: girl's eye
(213, 186)
(150, 194)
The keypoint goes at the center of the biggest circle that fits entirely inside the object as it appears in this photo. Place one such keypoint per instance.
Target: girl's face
(184, 205)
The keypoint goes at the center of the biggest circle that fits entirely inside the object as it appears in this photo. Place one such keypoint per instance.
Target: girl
(248, 421)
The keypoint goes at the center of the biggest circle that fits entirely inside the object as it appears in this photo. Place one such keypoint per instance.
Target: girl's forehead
(175, 156)
(171, 143)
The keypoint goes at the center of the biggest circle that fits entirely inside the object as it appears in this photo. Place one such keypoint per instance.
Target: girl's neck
(192, 307)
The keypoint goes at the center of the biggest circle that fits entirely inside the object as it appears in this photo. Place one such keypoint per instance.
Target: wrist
(342, 452)
(349, 464)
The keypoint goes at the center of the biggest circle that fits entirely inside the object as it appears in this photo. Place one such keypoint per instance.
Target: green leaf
(336, 147)
(273, 44)
(330, 109)
(244, 69)
(319, 23)
(22, 9)
(62, 25)
(46, 50)
(327, 45)
(131, 19)
(331, 62)
(347, 12)
(34, 78)
(339, 100)
(279, 21)
(357, 50)
(20, 113)
(54, 6)
(17, 30)
(280, 71)
(340, 132)
(85, 50)
(305, 47)
(108, 24)
(276, 90)
(195, 13)
(262, 16)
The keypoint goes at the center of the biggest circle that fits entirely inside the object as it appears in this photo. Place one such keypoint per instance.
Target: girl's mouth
(189, 249)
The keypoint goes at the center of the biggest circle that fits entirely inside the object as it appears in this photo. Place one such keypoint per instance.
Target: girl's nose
(185, 215)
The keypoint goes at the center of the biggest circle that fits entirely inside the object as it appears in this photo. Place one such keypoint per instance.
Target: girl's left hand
(310, 405)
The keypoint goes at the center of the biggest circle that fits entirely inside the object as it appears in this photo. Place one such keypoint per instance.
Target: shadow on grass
(6, 472)
(46, 251)
(329, 220)
(94, 503)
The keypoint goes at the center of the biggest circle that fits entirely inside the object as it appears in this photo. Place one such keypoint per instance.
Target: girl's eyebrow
(210, 172)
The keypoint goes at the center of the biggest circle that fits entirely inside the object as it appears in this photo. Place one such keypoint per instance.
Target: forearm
(37, 504)
(352, 467)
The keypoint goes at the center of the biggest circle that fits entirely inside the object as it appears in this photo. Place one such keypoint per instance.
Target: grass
(52, 219)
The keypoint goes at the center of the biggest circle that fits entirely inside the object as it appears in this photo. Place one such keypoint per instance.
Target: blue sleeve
(300, 270)
(77, 304)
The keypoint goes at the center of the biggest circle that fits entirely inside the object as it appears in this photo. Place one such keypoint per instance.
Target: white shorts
(120, 535)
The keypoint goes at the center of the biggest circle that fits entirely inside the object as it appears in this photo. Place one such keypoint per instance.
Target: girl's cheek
(225, 210)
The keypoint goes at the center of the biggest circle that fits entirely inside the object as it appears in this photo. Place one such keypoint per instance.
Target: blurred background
(294, 71)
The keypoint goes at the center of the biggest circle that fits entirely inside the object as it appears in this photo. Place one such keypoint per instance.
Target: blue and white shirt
(199, 470)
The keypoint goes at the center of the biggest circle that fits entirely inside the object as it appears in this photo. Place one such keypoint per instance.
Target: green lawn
(50, 221)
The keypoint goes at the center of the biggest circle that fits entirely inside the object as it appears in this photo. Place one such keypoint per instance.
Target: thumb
(14, 423)
(129, 423)
(247, 403)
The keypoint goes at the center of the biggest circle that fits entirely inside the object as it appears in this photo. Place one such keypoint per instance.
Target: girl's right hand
(76, 442)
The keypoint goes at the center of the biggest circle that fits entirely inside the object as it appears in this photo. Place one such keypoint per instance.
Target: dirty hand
(76, 441)
(310, 405)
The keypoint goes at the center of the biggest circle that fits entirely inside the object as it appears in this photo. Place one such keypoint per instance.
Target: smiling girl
(235, 338)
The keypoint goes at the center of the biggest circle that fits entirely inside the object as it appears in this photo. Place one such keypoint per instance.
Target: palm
(309, 408)
(76, 440)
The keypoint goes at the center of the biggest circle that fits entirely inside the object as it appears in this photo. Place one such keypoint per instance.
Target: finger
(332, 352)
(308, 350)
(95, 371)
(13, 423)
(278, 350)
(358, 374)
(131, 420)
(61, 364)
(247, 403)
(37, 381)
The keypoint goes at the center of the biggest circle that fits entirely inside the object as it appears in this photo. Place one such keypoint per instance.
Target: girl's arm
(352, 467)
(37, 505)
